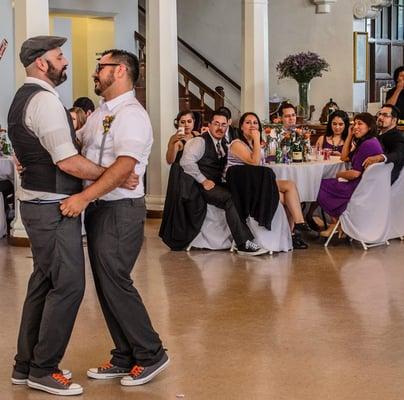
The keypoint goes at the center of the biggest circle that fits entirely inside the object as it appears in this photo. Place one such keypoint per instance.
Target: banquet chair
(367, 216)
(396, 229)
(215, 233)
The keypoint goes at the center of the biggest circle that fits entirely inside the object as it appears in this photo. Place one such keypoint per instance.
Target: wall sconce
(369, 8)
(323, 6)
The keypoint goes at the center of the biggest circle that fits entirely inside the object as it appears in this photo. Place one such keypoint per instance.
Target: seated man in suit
(391, 139)
(204, 159)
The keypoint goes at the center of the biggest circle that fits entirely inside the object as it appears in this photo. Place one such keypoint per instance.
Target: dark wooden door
(386, 45)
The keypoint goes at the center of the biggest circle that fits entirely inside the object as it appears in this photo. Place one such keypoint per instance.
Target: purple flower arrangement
(302, 67)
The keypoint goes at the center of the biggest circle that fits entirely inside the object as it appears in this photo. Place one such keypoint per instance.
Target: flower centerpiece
(302, 67)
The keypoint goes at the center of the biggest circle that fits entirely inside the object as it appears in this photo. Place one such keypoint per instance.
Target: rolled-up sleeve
(46, 116)
(193, 152)
(133, 135)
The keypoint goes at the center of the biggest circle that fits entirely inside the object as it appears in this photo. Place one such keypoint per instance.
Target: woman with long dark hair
(185, 124)
(335, 194)
(247, 150)
(336, 133)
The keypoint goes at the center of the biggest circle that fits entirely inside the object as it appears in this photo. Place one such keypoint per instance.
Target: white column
(31, 18)
(162, 91)
(255, 61)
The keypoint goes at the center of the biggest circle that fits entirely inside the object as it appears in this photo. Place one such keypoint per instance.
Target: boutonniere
(106, 123)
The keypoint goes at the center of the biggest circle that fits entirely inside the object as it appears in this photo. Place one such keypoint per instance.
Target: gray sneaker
(107, 371)
(250, 249)
(20, 378)
(55, 384)
(140, 375)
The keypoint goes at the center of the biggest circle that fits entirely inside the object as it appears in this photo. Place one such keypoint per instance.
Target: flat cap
(37, 46)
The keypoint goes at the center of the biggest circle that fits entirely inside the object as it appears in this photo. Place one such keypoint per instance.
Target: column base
(154, 206)
(18, 241)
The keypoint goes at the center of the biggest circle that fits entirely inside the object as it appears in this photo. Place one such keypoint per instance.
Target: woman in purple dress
(335, 194)
(336, 133)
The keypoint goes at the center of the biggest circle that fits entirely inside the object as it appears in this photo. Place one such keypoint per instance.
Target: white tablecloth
(6, 173)
(308, 175)
(6, 169)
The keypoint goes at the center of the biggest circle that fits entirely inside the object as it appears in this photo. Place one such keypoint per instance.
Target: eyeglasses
(219, 125)
(384, 115)
(99, 66)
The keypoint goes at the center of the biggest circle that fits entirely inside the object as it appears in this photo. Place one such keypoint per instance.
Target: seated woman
(336, 133)
(79, 117)
(333, 139)
(184, 123)
(175, 226)
(247, 150)
(335, 194)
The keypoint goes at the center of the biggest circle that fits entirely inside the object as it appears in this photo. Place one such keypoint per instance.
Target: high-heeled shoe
(327, 233)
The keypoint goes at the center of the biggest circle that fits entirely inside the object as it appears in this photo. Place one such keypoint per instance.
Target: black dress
(184, 208)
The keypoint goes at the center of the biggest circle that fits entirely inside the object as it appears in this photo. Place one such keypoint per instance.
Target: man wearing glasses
(391, 139)
(204, 158)
(118, 136)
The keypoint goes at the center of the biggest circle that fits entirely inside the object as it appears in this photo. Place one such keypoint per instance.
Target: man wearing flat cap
(43, 138)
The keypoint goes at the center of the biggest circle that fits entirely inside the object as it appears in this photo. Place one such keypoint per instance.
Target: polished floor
(309, 325)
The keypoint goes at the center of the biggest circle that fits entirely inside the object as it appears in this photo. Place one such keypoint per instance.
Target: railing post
(186, 93)
(219, 97)
(202, 104)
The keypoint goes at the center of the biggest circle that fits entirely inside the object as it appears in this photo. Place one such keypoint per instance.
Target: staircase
(196, 102)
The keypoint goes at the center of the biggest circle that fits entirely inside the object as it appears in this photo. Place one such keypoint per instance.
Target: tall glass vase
(304, 107)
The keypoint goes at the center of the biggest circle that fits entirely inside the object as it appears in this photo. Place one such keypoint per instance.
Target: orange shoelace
(61, 379)
(136, 371)
(105, 366)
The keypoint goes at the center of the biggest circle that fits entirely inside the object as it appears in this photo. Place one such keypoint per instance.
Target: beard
(101, 86)
(55, 76)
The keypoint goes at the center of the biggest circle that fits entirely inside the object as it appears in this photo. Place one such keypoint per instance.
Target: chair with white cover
(215, 233)
(278, 238)
(367, 216)
(397, 208)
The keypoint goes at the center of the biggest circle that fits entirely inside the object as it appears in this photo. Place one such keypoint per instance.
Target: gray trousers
(115, 231)
(55, 288)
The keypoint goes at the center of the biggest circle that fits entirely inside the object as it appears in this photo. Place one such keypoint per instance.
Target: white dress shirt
(46, 117)
(130, 134)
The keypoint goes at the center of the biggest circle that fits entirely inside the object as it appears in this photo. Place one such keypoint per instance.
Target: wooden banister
(216, 94)
(207, 63)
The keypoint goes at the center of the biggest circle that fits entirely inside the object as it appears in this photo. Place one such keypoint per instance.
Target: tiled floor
(310, 325)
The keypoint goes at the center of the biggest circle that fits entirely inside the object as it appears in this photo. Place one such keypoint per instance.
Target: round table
(307, 175)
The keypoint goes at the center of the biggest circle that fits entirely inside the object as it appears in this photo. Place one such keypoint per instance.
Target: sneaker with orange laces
(140, 375)
(55, 383)
(107, 371)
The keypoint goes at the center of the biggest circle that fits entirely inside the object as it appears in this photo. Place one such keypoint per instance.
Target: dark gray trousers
(220, 197)
(115, 232)
(55, 288)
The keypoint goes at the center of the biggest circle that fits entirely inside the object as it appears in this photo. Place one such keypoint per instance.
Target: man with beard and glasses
(43, 138)
(391, 139)
(118, 136)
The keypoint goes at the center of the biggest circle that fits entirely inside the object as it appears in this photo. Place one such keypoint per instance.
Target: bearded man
(118, 136)
(43, 138)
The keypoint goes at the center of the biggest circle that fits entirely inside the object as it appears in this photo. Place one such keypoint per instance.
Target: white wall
(329, 35)
(63, 27)
(124, 12)
(7, 77)
(214, 28)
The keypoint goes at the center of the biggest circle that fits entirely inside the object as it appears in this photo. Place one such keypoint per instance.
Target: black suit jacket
(393, 145)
